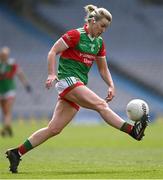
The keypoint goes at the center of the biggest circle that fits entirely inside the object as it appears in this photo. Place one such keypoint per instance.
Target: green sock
(24, 148)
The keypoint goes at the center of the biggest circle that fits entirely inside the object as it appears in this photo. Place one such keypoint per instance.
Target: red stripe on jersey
(102, 51)
(13, 71)
(71, 38)
(76, 55)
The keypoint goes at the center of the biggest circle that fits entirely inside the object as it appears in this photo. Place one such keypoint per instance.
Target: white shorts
(8, 95)
(64, 86)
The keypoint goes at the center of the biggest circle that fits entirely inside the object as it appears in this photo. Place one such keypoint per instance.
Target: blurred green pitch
(87, 152)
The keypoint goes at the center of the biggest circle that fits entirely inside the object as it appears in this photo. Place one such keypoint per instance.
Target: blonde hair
(93, 12)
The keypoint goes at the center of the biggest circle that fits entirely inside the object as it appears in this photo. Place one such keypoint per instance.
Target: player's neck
(89, 29)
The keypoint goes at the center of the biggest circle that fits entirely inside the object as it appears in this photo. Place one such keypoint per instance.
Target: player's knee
(53, 131)
(101, 105)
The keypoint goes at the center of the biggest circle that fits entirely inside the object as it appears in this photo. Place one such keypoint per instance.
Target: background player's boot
(6, 131)
(14, 159)
(3, 133)
(9, 131)
(139, 128)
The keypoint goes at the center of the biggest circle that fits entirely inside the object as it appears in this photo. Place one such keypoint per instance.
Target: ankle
(127, 128)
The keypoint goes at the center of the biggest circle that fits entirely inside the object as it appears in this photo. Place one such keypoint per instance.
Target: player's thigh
(85, 97)
(62, 115)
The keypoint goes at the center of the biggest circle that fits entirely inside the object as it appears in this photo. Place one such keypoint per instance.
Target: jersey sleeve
(102, 52)
(12, 72)
(71, 38)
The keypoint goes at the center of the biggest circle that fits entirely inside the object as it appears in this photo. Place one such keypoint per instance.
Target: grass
(87, 152)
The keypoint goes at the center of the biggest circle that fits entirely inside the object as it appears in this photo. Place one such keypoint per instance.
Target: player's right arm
(22, 77)
(68, 40)
(57, 48)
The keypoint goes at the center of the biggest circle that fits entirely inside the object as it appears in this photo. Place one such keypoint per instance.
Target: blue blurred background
(134, 45)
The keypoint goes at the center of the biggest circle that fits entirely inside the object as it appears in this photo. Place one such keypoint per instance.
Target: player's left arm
(22, 77)
(106, 76)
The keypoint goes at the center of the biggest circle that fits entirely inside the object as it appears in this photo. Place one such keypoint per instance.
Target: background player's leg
(6, 106)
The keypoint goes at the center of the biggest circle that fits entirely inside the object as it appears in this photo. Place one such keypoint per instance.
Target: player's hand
(50, 80)
(111, 94)
(28, 88)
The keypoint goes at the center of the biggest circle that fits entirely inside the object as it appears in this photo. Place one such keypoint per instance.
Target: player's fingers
(48, 83)
(56, 79)
(111, 94)
(109, 97)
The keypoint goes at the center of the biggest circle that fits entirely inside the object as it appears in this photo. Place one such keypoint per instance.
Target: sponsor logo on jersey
(87, 58)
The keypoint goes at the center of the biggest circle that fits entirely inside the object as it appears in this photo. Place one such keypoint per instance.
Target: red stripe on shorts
(74, 105)
(67, 90)
(77, 107)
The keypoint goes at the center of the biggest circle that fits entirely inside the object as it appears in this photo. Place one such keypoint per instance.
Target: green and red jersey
(81, 53)
(7, 73)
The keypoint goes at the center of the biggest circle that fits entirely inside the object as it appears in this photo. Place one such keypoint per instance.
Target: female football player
(8, 70)
(78, 49)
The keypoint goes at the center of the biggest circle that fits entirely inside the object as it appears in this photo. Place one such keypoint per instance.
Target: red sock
(127, 128)
(24, 148)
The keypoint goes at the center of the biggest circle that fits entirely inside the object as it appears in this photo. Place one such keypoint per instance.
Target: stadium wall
(121, 81)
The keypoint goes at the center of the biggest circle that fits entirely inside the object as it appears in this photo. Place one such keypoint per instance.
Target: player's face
(3, 56)
(98, 27)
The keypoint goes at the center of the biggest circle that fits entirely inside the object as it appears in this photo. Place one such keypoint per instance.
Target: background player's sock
(127, 128)
(24, 148)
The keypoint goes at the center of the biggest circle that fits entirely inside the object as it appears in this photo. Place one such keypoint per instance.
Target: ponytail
(97, 13)
(90, 8)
